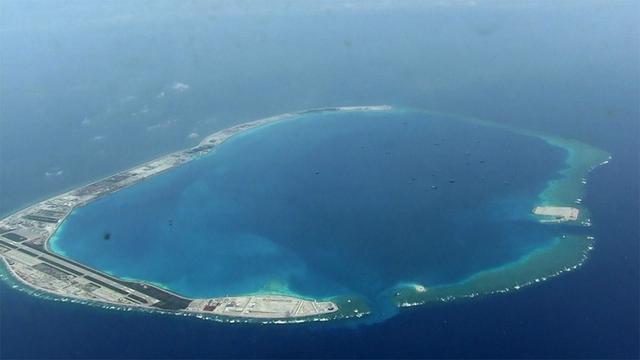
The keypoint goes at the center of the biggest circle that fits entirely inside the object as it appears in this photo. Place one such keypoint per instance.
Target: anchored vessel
(24, 250)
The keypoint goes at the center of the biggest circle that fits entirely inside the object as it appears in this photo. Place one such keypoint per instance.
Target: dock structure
(25, 233)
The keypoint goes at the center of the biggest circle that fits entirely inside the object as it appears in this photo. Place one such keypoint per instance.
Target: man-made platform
(262, 306)
(558, 213)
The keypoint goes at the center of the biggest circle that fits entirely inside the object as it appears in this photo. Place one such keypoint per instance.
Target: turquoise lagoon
(342, 203)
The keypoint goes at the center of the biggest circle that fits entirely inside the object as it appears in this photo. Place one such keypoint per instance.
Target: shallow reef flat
(567, 253)
(559, 203)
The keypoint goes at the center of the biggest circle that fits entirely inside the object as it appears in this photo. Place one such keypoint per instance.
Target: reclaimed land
(24, 251)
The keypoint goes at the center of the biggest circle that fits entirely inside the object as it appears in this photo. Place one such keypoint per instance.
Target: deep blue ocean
(89, 90)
